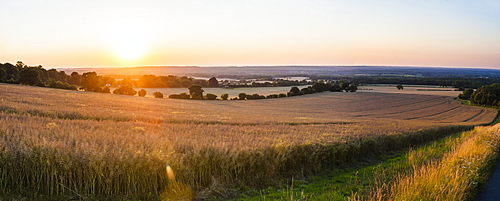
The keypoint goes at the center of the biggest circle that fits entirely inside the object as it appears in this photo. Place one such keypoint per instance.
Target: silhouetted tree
(142, 93)
(125, 90)
(351, 88)
(90, 82)
(399, 87)
(12, 72)
(106, 89)
(3, 75)
(212, 82)
(196, 92)
(157, 94)
(224, 96)
(242, 96)
(294, 91)
(30, 76)
(20, 65)
(75, 79)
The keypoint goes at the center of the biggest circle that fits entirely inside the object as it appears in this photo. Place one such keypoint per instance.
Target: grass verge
(453, 168)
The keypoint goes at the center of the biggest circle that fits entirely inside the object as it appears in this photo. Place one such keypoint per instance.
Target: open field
(79, 144)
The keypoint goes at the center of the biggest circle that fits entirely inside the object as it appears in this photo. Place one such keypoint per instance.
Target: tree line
(35, 76)
(196, 92)
(461, 83)
(488, 95)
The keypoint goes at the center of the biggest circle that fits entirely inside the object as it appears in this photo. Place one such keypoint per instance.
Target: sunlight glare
(129, 39)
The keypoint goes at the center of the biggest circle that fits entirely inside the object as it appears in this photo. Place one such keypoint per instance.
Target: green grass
(358, 181)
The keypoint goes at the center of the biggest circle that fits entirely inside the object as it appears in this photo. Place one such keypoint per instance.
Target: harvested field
(108, 145)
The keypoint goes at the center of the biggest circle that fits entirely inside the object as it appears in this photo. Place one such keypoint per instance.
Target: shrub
(224, 96)
(242, 96)
(125, 90)
(157, 94)
(142, 93)
(210, 96)
(106, 90)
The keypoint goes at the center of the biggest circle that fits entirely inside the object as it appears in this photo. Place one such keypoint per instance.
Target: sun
(129, 39)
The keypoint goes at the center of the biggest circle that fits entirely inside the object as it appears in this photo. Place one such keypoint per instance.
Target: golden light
(129, 39)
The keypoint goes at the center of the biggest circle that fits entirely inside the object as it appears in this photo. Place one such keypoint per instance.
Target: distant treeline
(36, 76)
(461, 83)
(196, 92)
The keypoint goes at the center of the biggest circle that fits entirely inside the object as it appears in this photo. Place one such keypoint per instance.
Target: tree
(335, 88)
(142, 93)
(157, 94)
(30, 76)
(196, 91)
(75, 79)
(106, 89)
(3, 75)
(211, 96)
(125, 90)
(224, 96)
(344, 86)
(295, 91)
(242, 96)
(488, 95)
(306, 91)
(20, 65)
(352, 88)
(12, 72)
(90, 82)
(466, 95)
(212, 82)
(399, 87)
(319, 86)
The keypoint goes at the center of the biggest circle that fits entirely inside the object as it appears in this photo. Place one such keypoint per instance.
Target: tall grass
(456, 176)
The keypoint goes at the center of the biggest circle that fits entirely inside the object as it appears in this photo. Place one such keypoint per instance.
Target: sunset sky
(102, 33)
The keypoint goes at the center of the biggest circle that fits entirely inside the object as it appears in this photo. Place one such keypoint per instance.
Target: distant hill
(259, 71)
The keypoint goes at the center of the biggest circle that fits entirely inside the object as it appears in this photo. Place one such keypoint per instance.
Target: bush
(466, 95)
(242, 96)
(224, 96)
(210, 96)
(142, 93)
(125, 90)
(106, 90)
(157, 94)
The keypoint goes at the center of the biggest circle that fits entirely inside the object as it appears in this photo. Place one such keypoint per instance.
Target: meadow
(62, 144)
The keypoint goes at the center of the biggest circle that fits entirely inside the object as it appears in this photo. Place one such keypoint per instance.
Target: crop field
(79, 145)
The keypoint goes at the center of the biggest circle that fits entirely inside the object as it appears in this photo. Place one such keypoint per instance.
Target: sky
(105, 33)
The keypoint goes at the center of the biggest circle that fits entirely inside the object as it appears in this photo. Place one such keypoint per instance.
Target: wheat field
(78, 145)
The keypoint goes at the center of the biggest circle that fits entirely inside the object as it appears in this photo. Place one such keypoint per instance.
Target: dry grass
(455, 176)
(56, 142)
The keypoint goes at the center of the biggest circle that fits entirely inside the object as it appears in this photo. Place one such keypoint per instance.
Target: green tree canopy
(488, 95)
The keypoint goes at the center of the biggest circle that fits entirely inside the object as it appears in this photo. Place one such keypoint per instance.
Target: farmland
(79, 145)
